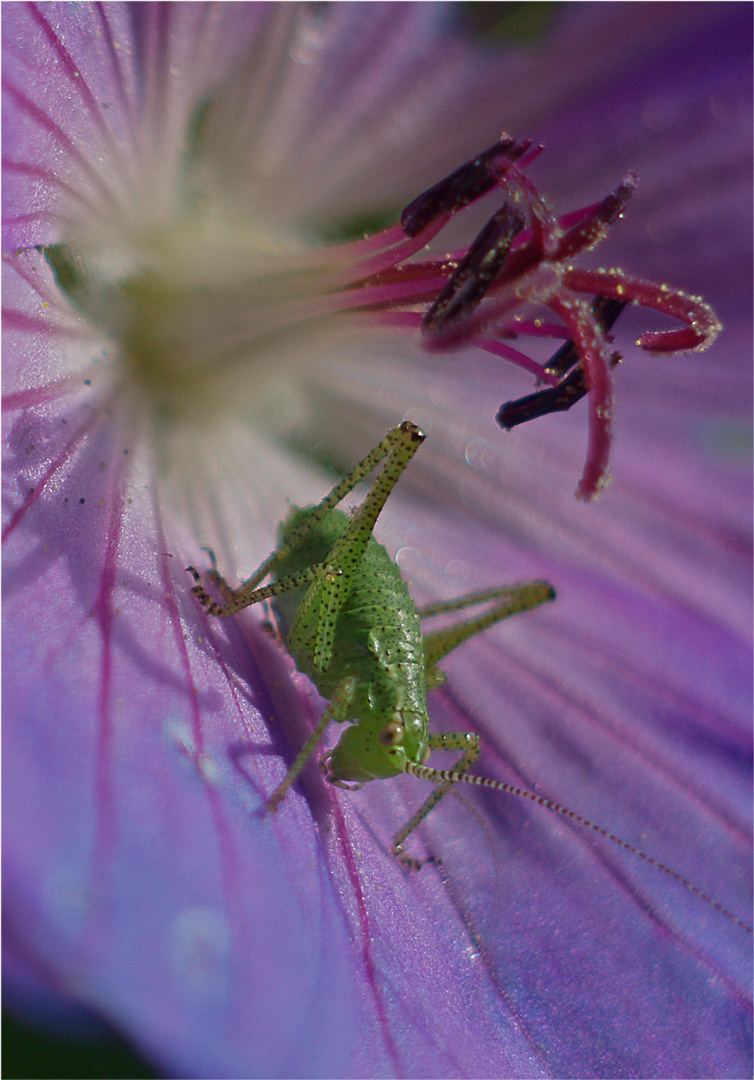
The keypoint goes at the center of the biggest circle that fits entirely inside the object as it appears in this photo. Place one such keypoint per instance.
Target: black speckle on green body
(378, 641)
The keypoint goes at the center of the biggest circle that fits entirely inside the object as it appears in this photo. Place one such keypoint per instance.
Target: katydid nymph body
(351, 625)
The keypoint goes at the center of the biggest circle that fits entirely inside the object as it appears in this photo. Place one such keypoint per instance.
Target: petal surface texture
(212, 152)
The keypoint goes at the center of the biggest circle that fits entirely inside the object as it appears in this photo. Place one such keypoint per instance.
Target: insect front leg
(214, 575)
(453, 740)
(337, 710)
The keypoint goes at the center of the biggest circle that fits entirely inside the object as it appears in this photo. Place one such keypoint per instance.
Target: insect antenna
(437, 776)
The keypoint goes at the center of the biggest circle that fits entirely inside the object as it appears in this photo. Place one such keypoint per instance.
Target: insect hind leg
(344, 558)
(398, 446)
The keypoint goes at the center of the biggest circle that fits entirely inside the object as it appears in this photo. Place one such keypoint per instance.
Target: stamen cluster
(187, 316)
(523, 258)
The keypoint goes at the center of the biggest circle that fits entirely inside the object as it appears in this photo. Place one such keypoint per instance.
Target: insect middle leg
(453, 740)
(512, 600)
(292, 581)
(336, 710)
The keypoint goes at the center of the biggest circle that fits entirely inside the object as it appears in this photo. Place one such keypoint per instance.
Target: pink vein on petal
(35, 493)
(50, 298)
(75, 77)
(45, 216)
(118, 80)
(40, 173)
(19, 320)
(591, 646)
(37, 172)
(661, 771)
(566, 703)
(36, 395)
(154, 70)
(228, 859)
(48, 124)
(366, 937)
(601, 854)
(168, 587)
(513, 1010)
(209, 636)
(652, 912)
(23, 264)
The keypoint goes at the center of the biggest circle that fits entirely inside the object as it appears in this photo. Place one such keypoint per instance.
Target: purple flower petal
(142, 879)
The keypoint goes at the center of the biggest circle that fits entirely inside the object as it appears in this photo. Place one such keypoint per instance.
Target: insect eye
(391, 734)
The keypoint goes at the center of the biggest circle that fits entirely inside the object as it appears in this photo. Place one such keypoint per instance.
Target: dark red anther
(552, 399)
(565, 364)
(560, 398)
(468, 183)
(469, 283)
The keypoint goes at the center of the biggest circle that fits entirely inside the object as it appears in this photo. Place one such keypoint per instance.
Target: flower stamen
(522, 257)
(463, 186)
(187, 317)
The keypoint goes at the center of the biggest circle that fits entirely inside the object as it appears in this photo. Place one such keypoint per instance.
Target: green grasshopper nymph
(352, 627)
